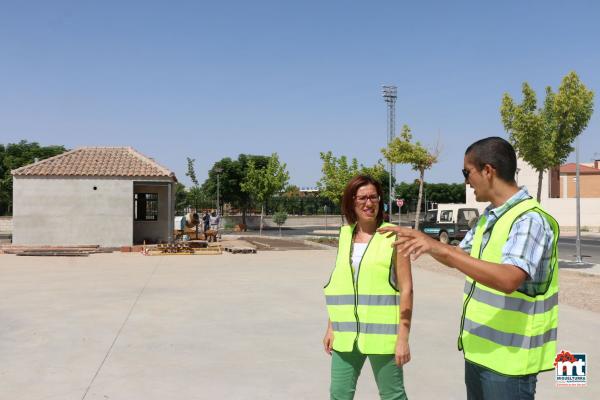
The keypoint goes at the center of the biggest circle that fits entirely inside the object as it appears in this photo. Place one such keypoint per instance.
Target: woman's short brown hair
(350, 192)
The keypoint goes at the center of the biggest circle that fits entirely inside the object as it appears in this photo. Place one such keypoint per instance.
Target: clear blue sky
(214, 79)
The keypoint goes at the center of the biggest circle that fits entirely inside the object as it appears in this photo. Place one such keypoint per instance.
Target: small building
(558, 193)
(107, 196)
(563, 180)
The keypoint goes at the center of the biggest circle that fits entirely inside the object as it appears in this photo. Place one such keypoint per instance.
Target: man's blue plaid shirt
(529, 244)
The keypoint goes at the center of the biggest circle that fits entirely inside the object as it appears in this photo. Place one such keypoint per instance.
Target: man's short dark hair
(496, 152)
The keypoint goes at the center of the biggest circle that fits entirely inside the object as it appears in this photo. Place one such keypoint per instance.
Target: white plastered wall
(563, 210)
(68, 211)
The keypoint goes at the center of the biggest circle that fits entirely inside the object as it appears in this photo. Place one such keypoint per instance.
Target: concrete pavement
(129, 327)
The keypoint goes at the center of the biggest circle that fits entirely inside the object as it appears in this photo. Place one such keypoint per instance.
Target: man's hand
(413, 243)
(402, 353)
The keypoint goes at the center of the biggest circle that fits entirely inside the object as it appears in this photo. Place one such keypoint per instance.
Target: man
(206, 221)
(510, 311)
(215, 219)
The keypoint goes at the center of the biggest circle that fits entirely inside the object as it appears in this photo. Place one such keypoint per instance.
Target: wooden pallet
(242, 250)
(53, 253)
(66, 251)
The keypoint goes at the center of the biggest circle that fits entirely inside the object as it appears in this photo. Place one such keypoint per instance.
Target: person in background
(214, 219)
(206, 221)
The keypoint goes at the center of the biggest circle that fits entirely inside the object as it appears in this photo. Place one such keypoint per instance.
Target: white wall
(563, 210)
(68, 211)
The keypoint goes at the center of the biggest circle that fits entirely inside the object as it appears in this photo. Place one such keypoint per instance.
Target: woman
(369, 298)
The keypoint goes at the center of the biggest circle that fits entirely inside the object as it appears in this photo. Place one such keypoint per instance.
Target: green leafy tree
(279, 218)
(262, 183)
(194, 194)
(435, 192)
(291, 191)
(181, 200)
(402, 151)
(232, 174)
(191, 171)
(543, 136)
(16, 155)
(337, 172)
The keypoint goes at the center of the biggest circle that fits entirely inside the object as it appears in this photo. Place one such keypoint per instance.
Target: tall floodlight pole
(577, 195)
(389, 95)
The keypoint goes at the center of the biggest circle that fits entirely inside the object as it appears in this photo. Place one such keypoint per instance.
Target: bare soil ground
(269, 243)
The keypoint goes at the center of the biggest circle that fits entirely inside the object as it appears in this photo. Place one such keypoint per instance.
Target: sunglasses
(467, 172)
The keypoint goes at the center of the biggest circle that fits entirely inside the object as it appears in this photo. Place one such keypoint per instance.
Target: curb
(589, 269)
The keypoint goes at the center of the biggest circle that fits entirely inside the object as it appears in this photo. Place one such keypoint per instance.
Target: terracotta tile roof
(569, 168)
(97, 161)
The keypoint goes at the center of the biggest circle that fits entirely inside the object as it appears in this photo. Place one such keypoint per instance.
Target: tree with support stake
(279, 218)
(262, 183)
(402, 151)
(543, 136)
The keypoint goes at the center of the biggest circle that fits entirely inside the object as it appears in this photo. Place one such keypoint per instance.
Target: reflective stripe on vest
(512, 334)
(364, 311)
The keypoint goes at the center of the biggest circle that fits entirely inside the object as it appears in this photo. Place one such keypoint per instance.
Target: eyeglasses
(363, 199)
(466, 173)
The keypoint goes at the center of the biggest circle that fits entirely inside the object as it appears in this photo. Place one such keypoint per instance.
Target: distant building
(563, 180)
(309, 191)
(558, 192)
(108, 196)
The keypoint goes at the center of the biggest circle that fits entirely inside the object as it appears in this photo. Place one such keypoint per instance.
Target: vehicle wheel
(444, 237)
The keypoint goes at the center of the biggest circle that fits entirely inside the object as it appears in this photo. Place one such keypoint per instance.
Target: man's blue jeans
(483, 384)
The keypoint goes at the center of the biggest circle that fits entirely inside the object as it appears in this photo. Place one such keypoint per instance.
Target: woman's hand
(328, 339)
(402, 355)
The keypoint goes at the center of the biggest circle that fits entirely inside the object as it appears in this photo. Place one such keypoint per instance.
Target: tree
(194, 195)
(337, 172)
(291, 191)
(191, 171)
(279, 218)
(401, 151)
(16, 155)
(543, 136)
(232, 174)
(180, 198)
(435, 192)
(261, 183)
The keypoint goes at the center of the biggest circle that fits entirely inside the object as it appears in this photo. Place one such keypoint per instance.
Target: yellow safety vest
(364, 311)
(511, 334)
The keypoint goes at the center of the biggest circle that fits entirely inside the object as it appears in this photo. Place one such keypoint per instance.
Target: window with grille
(145, 206)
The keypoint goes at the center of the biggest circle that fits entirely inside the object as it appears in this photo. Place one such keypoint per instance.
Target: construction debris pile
(183, 248)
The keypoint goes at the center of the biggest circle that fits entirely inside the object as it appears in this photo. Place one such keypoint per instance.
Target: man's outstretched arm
(503, 277)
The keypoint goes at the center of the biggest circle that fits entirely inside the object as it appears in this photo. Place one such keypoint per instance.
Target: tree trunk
(421, 178)
(244, 215)
(539, 191)
(279, 230)
(262, 212)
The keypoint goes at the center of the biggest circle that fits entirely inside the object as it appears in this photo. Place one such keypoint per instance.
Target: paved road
(590, 246)
(590, 249)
